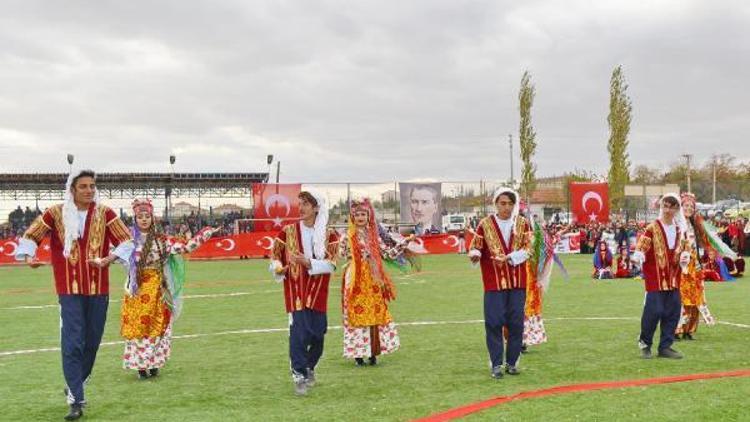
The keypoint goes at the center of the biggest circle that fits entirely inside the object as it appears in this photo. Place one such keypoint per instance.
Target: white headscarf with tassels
(71, 222)
(320, 240)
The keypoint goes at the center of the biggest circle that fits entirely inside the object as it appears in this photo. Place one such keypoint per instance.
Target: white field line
(338, 327)
(733, 324)
(206, 296)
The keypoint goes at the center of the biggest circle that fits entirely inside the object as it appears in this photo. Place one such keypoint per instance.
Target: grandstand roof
(50, 186)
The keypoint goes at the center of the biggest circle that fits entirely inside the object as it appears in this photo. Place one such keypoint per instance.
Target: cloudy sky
(365, 90)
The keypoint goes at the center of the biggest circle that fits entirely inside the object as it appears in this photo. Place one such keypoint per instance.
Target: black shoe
(360, 361)
(497, 372)
(373, 360)
(646, 353)
(310, 378)
(670, 353)
(524, 348)
(153, 372)
(142, 374)
(76, 411)
(512, 370)
(688, 336)
(677, 337)
(300, 386)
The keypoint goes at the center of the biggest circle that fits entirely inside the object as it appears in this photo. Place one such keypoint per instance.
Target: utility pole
(713, 190)
(510, 144)
(688, 158)
(278, 170)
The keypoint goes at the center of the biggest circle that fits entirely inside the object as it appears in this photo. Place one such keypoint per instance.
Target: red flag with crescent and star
(589, 202)
(277, 204)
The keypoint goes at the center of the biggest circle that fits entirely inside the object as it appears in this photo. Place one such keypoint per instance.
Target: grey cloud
(366, 90)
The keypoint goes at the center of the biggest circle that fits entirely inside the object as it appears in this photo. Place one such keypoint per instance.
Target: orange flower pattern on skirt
(145, 315)
(691, 287)
(358, 341)
(365, 305)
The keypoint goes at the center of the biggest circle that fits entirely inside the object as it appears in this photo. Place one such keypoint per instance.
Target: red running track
(460, 412)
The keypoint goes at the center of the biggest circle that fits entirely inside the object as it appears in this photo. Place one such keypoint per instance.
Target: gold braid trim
(96, 233)
(37, 230)
(492, 237)
(292, 248)
(644, 244)
(521, 239)
(660, 247)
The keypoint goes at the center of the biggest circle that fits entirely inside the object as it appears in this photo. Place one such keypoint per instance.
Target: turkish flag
(589, 202)
(253, 245)
(278, 204)
(8, 250)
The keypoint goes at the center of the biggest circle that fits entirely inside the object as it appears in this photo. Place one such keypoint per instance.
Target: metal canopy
(50, 186)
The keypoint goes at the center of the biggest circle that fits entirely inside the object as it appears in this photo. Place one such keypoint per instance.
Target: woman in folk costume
(692, 291)
(367, 289)
(712, 266)
(602, 262)
(623, 263)
(153, 297)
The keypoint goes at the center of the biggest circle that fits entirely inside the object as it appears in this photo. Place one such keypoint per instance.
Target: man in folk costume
(692, 291)
(81, 233)
(659, 252)
(304, 257)
(501, 246)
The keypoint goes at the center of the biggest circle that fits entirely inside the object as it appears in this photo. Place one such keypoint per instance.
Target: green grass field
(229, 372)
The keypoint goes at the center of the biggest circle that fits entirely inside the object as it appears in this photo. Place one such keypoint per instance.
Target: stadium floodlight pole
(71, 158)
(269, 160)
(688, 158)
(168, 192)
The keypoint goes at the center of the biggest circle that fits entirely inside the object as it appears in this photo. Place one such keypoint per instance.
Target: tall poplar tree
(527, 136)
(619, 118)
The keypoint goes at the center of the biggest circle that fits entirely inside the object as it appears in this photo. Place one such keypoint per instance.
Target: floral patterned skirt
(533, 330)
(366, 341)
(533, 324)
(148, 353)
(146, 325)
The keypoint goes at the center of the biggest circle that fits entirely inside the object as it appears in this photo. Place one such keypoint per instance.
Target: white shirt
(307, 240)
(671, 232)
(82, 222)
(506, 227)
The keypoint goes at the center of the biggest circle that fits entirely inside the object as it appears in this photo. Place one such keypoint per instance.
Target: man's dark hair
(307, 196)
(83, 173)
(671, 201)
(429, 188)
(509, 195)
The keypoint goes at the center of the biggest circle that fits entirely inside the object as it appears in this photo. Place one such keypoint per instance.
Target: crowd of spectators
(185, 226)
(18, 221)
(735, 232)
